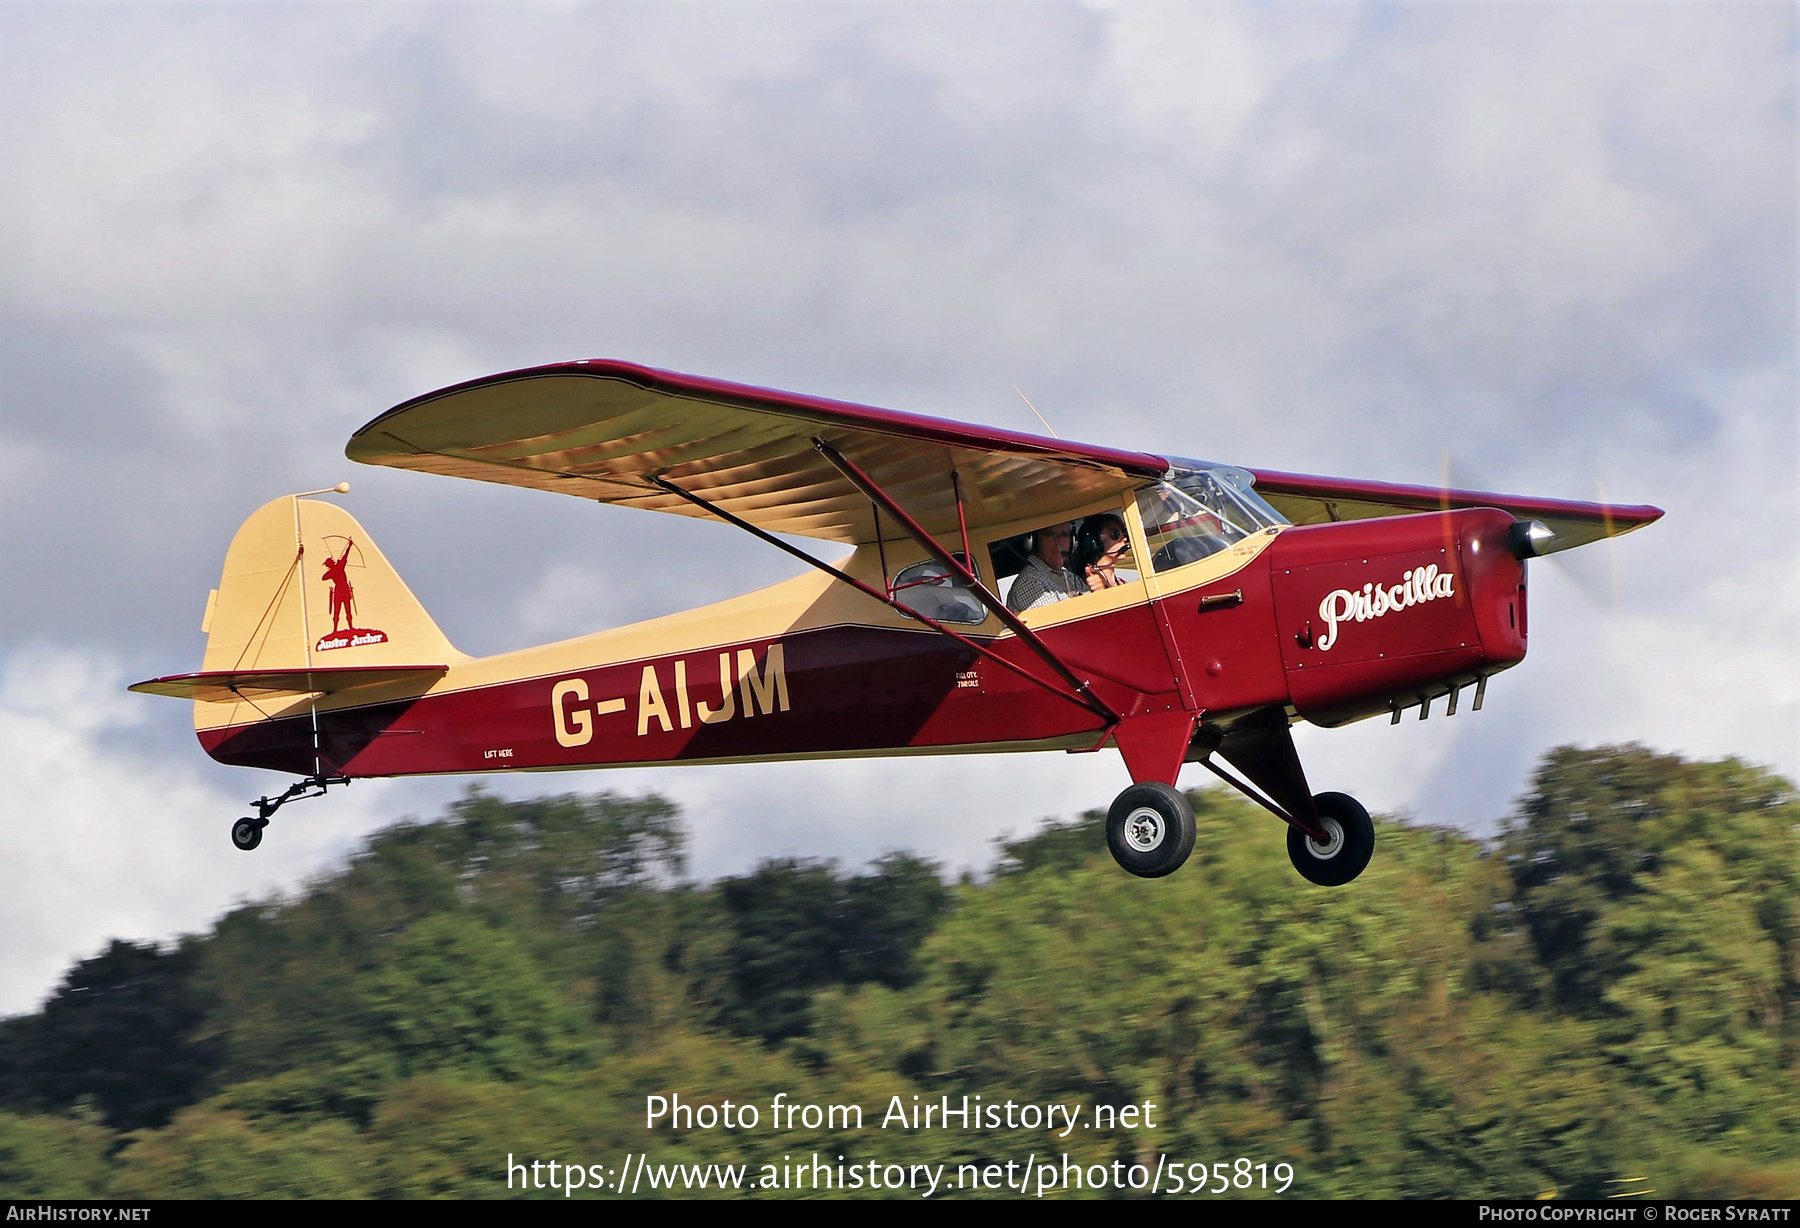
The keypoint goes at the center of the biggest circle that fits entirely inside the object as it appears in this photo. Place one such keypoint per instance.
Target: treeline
(1603, 1001)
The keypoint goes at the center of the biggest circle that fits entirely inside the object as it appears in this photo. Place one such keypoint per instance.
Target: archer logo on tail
(344, 631)
(1342, 605)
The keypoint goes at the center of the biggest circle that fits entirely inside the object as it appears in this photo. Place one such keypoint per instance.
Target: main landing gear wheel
(1343, 856)
(1150, 830)
(247, 833)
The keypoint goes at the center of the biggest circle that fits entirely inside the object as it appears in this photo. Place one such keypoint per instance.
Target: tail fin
(305, 587)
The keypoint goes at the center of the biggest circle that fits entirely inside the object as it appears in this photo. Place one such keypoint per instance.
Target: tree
(51, 1157)
(1599, 828)
(458, 993)
(120, 1031)
(292, 979)
(796, 927)
(1066, 845)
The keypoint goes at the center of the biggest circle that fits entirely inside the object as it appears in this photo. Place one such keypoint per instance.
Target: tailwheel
(247, 833)
(1343, 856)
(1150, 829)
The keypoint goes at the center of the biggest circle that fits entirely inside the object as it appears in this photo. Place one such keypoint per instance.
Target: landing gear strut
(1330, 837)
(247, 832)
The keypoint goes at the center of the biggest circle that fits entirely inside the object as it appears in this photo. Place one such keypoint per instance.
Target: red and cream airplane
(1235, 603)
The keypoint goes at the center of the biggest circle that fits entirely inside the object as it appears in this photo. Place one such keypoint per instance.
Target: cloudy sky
(1549, 247)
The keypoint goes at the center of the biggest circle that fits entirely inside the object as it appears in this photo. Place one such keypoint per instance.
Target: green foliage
(797, 927)
(118, 1032)
(361, 975)
(784, 920)
(1057, 845)
(573, 855)
(457, 993)
(1609, 1006)
(52, 1157)
(208, 1152)
(447, 1138)
(1598, 830)
(1661, 896)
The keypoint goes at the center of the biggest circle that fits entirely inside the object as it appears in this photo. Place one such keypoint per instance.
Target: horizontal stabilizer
(228, 686)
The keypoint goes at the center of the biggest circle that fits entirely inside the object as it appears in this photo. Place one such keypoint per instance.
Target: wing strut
(866, 484)
(1093, 705)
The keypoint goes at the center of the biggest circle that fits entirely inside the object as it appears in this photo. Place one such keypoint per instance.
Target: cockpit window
(1064, 560)
(1199, 510)
(931, 590)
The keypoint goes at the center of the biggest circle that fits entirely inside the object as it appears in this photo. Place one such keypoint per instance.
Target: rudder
(305, 586)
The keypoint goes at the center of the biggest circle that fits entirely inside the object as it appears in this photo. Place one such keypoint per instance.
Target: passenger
(1046, 579)
(1104, 537)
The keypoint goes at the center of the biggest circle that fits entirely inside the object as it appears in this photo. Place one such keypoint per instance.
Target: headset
(1088, 549)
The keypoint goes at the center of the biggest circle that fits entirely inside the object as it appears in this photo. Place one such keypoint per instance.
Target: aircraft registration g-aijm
(1005, 592)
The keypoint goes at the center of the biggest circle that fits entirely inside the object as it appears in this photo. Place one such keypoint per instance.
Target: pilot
(1046, 579)
(1107, 532)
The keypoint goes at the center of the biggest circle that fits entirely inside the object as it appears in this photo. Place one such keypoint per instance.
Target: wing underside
(1309, 499)
(609, 431)
(603, 430)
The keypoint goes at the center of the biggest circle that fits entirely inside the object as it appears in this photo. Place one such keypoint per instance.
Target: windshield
(1199, 510)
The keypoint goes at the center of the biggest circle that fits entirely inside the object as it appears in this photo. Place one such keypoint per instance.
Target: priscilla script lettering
(1420, 585)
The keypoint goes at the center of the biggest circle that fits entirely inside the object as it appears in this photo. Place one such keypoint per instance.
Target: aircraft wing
(601, 430)
(1307, 499)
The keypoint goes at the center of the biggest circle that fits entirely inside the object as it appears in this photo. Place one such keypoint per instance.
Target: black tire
(246, 834)
(1150, 829)
(1352, 844)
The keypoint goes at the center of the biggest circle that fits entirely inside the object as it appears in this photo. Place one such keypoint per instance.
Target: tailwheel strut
(247, 832)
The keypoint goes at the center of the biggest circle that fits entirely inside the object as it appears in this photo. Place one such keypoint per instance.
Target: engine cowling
(1377, 614)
